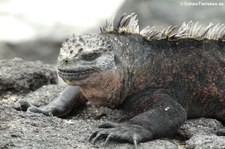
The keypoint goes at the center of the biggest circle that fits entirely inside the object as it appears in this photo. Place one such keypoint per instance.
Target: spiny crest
(129, 24)
(126, 24)
(200, 31)
(151, 33)
(91, 41)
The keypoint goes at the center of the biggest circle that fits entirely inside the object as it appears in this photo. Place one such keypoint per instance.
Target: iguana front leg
(162, 117)
(70, 98)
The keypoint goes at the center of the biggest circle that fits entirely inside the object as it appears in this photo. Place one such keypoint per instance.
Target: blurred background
(35, 29)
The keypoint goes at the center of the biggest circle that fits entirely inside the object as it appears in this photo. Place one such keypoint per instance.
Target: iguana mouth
(75, 74)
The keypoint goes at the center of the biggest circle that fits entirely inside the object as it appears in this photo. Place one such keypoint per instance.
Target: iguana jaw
(73, 75)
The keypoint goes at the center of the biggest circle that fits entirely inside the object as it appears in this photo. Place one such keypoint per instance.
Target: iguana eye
(90, 56)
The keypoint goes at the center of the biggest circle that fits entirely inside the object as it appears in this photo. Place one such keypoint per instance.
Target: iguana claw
(121, 133)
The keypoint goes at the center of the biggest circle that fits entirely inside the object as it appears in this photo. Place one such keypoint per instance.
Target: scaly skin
(159, 82)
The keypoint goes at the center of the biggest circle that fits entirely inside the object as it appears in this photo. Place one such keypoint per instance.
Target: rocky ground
(37, 82)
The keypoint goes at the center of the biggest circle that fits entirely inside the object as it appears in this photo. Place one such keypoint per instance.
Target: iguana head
(83, 58)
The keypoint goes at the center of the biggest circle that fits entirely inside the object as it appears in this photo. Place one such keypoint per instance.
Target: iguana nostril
(66, 61)
(71, 51)
(81, 49)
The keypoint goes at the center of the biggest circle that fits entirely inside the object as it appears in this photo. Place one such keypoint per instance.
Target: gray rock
(199, 126)
(159, 144)
(30, 130)
(19, 75)
(201, 141)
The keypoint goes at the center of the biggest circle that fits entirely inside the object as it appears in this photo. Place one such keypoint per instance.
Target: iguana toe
(39, 110)
(22, 105)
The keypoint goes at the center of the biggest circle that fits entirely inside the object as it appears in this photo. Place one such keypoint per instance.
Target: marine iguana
(160, 77)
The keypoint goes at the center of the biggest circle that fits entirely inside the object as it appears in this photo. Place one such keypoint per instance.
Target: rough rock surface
(20, 129)
(18, 75)
(160, 144)
(199, 126)
(210, 141)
